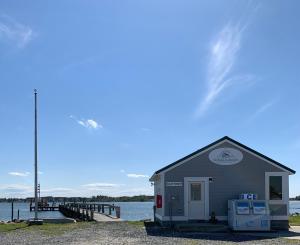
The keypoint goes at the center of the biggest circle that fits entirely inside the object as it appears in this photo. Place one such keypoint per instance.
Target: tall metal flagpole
(35, 158)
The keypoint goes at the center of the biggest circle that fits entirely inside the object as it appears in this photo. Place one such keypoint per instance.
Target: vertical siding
(228, 181)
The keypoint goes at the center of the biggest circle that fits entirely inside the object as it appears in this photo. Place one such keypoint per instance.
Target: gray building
(201, 183)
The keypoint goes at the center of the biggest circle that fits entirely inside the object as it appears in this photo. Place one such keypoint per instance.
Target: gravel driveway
(127, 233)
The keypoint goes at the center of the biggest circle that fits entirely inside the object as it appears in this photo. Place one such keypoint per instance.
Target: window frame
(285, 187)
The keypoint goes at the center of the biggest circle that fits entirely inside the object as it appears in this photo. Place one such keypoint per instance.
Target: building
(201, 183)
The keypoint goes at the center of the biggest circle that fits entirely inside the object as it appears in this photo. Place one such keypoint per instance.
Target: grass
(47, 229)
(136, 223)
(294, 220)
(12, 227)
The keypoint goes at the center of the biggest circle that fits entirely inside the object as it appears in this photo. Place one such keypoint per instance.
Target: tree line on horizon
(98, 198)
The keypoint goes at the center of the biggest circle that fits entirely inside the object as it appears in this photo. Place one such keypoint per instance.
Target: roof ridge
(233, 141)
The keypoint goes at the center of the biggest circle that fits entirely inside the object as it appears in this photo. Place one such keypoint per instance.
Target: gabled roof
(233, 141)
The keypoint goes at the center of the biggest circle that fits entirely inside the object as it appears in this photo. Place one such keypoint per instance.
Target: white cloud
(15, 32)
(100, 185)
(261, 110)
(56, 190)
(222, 59)
(15, 187)
(89, 123)
(137, 176)
(20, 174)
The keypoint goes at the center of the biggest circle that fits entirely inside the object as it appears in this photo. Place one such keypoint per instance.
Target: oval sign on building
(225, 156)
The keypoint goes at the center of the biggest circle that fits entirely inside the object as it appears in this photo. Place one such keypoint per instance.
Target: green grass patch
(12, 226)
(294, 220)
(47, 229)
(136, 223)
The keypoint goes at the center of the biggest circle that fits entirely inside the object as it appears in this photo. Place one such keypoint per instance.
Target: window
(275, 187)
(195, 192)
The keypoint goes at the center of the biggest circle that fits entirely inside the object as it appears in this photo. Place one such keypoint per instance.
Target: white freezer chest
(248, 215)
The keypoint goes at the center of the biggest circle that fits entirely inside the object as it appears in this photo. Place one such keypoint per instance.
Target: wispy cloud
(137, 176)
(15, 32)
(100, 185)
(89, 123)
(223, 56)
(15, 187)
(20, 174)
(131, 175)
(56, 190)
(261, 110)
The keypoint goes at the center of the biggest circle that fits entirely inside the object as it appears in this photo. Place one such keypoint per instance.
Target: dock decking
(89, 212)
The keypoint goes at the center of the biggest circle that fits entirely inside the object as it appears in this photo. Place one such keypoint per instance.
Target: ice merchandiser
(248, 215)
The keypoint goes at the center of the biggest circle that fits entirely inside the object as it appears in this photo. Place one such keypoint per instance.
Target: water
(5, 212)
(294, 207)
(129, 210)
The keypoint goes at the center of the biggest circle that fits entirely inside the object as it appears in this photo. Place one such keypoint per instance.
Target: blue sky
(126, 87)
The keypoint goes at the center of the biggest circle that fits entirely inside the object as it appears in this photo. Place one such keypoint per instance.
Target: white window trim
(206, 195)
(285, 188)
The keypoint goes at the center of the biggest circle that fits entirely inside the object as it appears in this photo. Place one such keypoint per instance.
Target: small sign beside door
(174, 184)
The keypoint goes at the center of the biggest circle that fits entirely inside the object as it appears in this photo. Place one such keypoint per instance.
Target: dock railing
(85, 211)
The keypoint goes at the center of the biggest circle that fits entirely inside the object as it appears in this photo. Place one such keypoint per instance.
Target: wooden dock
(45, 208)
(42, 206)
(91, 212)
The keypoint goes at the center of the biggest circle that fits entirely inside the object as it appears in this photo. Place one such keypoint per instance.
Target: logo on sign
(225, 156)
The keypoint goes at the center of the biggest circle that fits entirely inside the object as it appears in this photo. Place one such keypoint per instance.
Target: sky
(127, 87)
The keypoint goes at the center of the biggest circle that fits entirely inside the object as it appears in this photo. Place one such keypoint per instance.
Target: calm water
(129, 210)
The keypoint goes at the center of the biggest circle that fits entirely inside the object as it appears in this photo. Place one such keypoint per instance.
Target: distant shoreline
(98, 198)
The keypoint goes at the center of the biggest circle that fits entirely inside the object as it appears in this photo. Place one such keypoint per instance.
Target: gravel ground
(124, 233)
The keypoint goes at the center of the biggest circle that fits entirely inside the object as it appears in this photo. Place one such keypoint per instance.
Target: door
(196, 200)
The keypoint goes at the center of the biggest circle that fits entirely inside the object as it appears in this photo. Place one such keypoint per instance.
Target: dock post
(109, 210)
(87, 214)
(118, 212)
(12, 210)
(103, 208)
(92, 215)
(18, 214)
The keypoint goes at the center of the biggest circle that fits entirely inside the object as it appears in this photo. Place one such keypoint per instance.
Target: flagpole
(35, 158)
